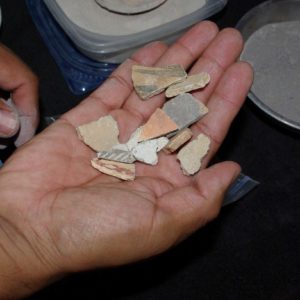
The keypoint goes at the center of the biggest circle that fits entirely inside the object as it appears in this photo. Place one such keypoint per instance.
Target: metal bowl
(271, 32)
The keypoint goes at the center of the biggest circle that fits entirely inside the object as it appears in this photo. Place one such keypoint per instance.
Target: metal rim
(241, 26)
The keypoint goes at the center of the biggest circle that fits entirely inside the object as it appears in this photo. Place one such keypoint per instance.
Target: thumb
(9, 120)
(191, 207)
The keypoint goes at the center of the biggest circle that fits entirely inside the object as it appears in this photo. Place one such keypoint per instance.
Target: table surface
(250, 252)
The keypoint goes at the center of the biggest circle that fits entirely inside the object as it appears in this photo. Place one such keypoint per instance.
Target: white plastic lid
(90, 16)
(100, 33)
(130, 7)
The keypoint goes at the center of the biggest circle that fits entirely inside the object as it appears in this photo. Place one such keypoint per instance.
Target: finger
(116, 89)
(9, 121)
(224, 104)
(186, 209)
(223, 52)
(18, 79)
(183, 52)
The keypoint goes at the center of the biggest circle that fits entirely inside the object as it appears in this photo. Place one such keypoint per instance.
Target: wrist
(12, 278)
(21, 270)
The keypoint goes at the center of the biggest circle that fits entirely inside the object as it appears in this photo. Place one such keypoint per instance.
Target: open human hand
(58, 215)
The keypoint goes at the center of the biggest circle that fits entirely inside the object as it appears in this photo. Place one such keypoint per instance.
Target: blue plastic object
(241, 186)
(81, 73)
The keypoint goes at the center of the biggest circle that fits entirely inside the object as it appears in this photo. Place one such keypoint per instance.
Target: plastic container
(272, 42)
(111, 37)
(82, 74)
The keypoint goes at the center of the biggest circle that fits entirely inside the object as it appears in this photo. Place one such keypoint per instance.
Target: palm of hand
(77, 207)
(84, 219)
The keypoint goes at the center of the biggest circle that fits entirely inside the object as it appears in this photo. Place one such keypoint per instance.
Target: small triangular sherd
(185, 110)
(191, 83)
(159, 124)
(150, 81)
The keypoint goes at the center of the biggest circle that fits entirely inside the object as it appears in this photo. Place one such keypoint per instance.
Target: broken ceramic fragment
(147, 151)
(100, 135)
(129, 6)
(115, 169)
(190, 156)
(178, 140)
(134, 138)
(173, 119)
(159, 124)
(150, 81)
(121, 147)
(117, 155)
(131, 143)
(191, 83)
(185, 110)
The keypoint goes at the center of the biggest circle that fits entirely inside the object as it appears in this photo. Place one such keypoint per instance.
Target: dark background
(250, 252)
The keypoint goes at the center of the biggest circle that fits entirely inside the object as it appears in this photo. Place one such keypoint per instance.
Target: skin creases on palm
(65, 216)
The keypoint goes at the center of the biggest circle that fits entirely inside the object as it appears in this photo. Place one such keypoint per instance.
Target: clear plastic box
(102, 40)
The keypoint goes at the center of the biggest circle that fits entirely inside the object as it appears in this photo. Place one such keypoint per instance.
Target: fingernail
(9, 123)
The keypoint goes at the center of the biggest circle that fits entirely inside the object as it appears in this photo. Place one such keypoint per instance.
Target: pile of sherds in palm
(167, 129)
